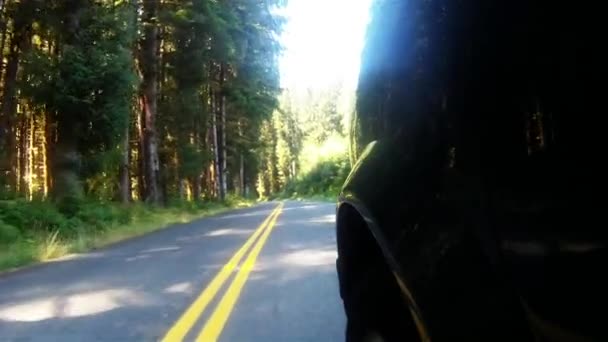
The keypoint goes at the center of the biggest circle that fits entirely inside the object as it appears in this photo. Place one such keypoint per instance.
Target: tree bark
(9, 105)
(242, 174)
(3, 33)
(24, 132)
(125, 179)
(196, 187)
(182, 186)
(149, 63)
(241, 162)
(216, 150)
(209, 174)
(222, 137)
(141, 161)
(224, 154)
(20, 43)
(49, 139)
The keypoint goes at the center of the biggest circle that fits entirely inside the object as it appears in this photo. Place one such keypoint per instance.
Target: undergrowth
(37, 231)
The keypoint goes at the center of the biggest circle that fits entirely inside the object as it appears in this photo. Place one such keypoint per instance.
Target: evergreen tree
(140, 99)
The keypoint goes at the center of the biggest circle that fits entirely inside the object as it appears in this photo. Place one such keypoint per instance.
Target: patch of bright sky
(323, 40)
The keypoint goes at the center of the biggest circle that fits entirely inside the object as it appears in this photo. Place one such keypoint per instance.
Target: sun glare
(323, 40)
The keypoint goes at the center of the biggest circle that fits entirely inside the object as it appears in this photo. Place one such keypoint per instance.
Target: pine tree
(149, 61)
(206, 69)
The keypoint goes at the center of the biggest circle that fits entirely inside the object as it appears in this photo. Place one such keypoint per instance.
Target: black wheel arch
(481, 295)
(359, 235)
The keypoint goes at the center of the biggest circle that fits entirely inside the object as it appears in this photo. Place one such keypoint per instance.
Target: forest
(115, 113)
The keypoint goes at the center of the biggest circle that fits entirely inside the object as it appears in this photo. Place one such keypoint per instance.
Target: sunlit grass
(50, 246)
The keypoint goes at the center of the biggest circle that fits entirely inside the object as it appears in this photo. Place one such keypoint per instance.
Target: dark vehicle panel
(511, 274)
(481, 186)
(443, 271)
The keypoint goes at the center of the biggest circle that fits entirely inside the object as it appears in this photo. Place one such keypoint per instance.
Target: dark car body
(479, 188)
(468, 273)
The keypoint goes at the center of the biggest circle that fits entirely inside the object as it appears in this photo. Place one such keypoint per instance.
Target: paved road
(152, 287)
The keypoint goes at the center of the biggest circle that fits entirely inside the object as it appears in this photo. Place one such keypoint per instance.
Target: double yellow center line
(214, 325)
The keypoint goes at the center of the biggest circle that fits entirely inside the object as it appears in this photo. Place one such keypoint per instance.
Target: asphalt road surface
(265, 273)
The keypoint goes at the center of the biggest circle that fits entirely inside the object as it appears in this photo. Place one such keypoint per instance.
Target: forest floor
(52, 246)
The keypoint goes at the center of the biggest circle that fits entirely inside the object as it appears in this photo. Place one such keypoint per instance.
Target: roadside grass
(325, 197)
(44, 245)
(329, 196)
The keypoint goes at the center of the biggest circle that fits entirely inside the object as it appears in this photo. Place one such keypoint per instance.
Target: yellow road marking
(181, 327)
(214, 326)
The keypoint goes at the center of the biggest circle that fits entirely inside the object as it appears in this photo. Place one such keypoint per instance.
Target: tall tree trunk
(241, 162)
(42, 152)
(222, 143)
(7, 123)
(23, 123)
(141, 161)
(125, 178)
(49, 148)
(196, 187)
(242, 174)
(31, 157)
(19, 44)
(224, 154)
(208, 173)
(182, 186)
(51, 131)
(3, 34)
(149, 63)
(195, 182)
(216, 150)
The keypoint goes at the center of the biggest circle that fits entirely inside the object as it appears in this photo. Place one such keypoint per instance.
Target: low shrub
(8, 233)
(37, 230)
(38, 217)
(99, 215)
(32, 217)
(326, 179)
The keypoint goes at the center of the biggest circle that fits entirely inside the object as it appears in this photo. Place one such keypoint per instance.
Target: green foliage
(37, 231)
(325, 178)
(304, 147)
(8, 233)
(99, 216)
(95, 79)
(33, 217)
(101, 174)
(78, 79)
(69, 205)
(38, 217)
(268, 175)
(193, 160)
(87, 88)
